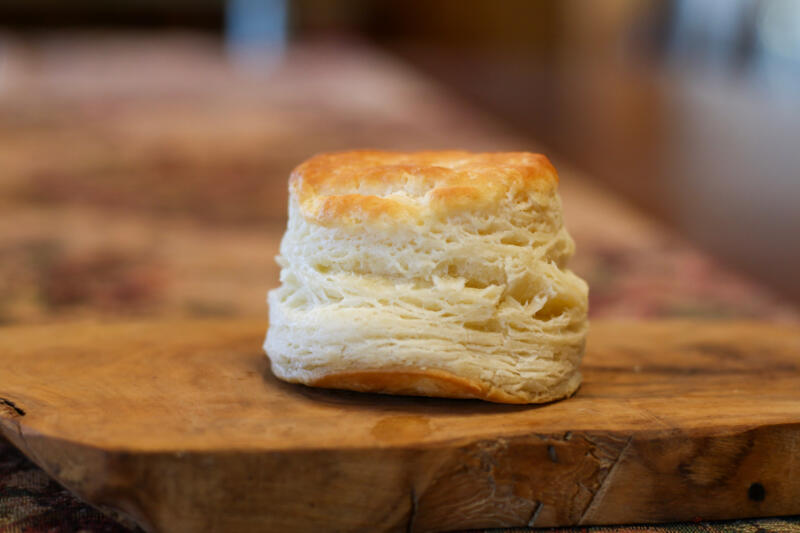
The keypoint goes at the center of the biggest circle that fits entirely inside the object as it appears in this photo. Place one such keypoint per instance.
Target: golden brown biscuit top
(370, 185)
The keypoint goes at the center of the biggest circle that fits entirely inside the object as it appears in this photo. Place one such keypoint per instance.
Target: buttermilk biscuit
(428, 273)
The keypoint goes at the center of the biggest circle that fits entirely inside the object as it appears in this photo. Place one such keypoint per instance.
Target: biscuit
(428, 273)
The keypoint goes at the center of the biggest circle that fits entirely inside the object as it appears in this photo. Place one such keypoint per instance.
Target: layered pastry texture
(428, 273)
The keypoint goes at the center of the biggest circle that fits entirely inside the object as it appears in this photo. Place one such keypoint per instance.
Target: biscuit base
(412, 381)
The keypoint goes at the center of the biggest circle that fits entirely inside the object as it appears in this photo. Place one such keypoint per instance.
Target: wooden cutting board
(181, 426)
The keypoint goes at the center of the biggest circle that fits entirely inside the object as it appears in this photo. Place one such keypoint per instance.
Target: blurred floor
(147, 175)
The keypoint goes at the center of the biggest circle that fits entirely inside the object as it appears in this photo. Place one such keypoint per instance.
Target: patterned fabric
(31, 502)
(760, 525)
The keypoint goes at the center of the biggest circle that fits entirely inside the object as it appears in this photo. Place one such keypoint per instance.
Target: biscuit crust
(434, 383)
(371, 185)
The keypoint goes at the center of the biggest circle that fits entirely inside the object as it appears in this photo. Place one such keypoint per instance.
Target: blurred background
(145, 145)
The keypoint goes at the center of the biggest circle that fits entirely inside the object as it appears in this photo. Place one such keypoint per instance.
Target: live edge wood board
(181, 426)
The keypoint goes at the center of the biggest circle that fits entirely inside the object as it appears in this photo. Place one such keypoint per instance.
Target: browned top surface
(205, 385)
(364, 185)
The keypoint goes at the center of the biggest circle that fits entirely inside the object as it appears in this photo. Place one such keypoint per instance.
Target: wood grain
(181, 426)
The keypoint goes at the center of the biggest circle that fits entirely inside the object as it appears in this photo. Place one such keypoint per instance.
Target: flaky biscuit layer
(454, 286)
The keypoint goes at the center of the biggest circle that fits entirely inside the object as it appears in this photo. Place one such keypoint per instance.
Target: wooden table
(145, 176)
